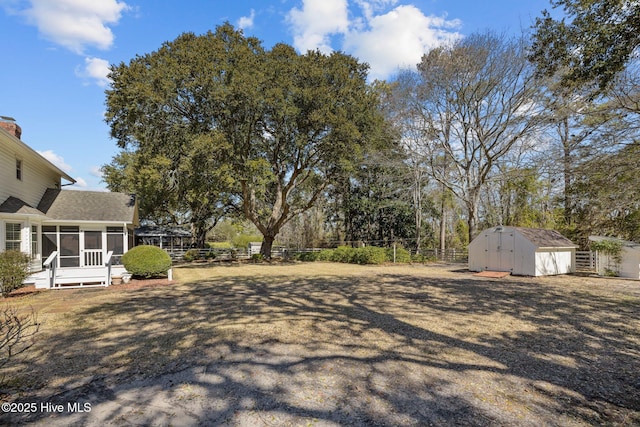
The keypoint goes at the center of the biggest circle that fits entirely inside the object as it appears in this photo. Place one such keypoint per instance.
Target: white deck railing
(51, 265)
(97, 275)
(92, 257)
(107, 264)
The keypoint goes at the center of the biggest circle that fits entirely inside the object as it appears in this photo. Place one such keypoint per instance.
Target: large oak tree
(281, 125)
(591, 44)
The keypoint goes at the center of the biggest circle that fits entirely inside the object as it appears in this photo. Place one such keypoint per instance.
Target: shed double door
(500, 250)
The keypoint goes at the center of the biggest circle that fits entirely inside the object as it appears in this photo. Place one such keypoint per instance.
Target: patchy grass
(335, 344)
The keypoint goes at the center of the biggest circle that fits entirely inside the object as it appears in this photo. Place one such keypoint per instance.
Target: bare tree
(17, 331)
(478, 99)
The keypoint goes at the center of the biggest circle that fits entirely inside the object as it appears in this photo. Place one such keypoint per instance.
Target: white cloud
(96, 171)
(80, 182)
(246, 22)
(56, 160)
(398, 39)
(96, 69)
(317, 20)
(384, 36)
(372, 6)
(76, 24)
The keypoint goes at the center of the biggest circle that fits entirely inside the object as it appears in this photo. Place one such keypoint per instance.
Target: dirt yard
(329, 345)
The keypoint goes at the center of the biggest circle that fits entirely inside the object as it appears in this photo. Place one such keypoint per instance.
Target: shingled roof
(13, 205)
(70, 205)
(543, 238)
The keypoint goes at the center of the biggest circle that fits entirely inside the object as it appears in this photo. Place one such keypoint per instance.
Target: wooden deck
(67, 278)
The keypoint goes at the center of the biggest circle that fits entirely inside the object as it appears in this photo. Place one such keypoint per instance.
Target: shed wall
(630, 265)
(506, 249)
(478, 253)
(554, 261)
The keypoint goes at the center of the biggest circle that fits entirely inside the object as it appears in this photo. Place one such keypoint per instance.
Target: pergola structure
(169, 238)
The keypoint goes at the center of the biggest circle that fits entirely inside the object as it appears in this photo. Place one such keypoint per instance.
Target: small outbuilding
(522, 251)
(621, 260)
(169, 238)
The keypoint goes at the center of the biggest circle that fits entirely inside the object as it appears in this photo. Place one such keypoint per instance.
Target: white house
(522, 251)
(74, 238)
(629, 259)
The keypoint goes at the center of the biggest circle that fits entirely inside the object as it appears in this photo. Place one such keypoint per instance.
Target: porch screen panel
(49, 240)
(69, 246)
(92, 248)
(115, 243)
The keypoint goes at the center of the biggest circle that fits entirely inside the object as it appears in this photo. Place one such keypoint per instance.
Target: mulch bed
(25, 290)
(133, 284)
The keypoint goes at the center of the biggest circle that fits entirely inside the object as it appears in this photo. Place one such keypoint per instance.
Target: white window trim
(19, 169)
(20, 234)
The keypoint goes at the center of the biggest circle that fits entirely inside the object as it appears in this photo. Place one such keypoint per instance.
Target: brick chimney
(9, 124)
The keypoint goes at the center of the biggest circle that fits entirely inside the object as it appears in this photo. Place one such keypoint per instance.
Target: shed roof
(539, 237)
(70, 205)
(544, 238)
(625, 243)
(155, 230)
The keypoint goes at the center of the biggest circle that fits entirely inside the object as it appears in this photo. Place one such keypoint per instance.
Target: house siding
(36, 176)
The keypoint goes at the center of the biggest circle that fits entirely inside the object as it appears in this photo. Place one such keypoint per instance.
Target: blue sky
(55, 53)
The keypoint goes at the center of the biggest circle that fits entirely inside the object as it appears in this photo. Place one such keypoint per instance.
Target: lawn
(332, 344)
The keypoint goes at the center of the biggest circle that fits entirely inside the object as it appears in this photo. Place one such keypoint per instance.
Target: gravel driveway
(330, 345)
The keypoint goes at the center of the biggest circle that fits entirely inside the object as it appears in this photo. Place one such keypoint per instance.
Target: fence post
(394, 252)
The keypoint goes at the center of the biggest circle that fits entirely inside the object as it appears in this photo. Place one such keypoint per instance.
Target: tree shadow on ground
(380, 350)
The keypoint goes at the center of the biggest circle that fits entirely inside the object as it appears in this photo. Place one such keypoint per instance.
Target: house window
(19, 169)
(34, 242)
(12, 236)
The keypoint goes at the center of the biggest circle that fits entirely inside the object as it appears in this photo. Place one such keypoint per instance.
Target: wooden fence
(586, 261)
(448, 255)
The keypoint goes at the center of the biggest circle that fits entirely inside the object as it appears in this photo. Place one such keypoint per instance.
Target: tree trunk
(200, 235)
(267, 244)
(443, 221)
(472, 219)
(566, 172)
(443, 229)
(417, 201)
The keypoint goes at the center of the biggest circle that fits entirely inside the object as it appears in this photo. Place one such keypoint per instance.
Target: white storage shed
(522, 251)
(629, 260)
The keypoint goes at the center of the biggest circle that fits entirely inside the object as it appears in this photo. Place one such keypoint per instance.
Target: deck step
(66, 278)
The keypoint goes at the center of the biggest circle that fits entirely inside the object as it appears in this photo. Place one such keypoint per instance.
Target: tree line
(487, 130)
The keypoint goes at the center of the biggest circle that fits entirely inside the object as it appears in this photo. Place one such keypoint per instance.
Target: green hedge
(325, 255)
(364, 255)
(346, 254)
(307, 256)
(146, 261)
(191, 255)
(14, 268)
(402, 255)
(343, 254)
(369, 255)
